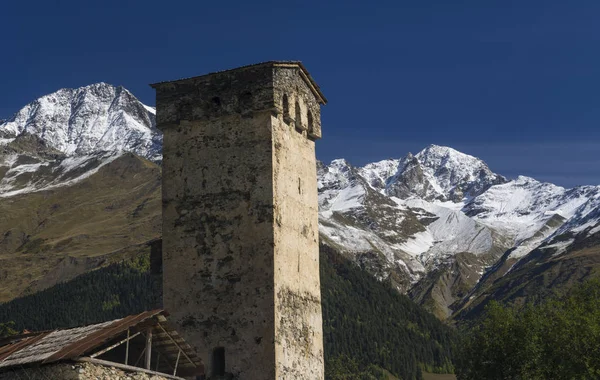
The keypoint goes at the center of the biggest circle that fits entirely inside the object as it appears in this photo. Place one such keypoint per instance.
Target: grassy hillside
(57, 234)
(371, 332)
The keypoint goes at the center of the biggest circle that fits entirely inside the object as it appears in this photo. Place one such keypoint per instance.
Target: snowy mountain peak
(440, 150)
(441, 173)
(377, 173)
(337, 174)
(435, 173)
(445, 212)
(441, 159)
(524, 180)
(95, 118)
(339, 163)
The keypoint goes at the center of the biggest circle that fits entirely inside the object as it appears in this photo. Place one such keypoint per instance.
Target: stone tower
(240, 219)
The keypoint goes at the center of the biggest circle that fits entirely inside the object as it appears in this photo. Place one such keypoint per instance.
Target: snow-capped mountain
(528, 211)
(438, 225)
(430, 202)
(563, 254)
(441, 173)
(87, 120)
(28, 165)
(64, 137)
(435, 222)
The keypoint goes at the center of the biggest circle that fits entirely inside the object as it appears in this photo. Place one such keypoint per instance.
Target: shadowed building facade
(240, 219)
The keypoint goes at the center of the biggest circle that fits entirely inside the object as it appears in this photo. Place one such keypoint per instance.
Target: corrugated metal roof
(69, 344)
(48, 344)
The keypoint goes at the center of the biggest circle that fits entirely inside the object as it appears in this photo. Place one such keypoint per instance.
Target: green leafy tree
(555, 339)
(7, 329)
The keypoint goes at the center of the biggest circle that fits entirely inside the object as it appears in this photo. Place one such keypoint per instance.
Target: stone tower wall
(298, 321)
(217, 261)
(240, 227)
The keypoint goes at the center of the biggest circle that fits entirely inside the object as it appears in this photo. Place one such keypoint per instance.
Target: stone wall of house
(240, 221)
(78, 371)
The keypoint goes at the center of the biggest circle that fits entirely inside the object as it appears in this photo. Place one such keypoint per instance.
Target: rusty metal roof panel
(9, 349)
(66, 344)
(99, 336)
(71, 344)
(48, 345)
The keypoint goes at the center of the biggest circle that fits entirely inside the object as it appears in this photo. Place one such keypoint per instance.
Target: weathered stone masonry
(240, 219)
(75, 371)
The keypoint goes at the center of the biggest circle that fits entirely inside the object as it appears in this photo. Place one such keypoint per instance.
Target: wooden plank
(127, 349)
(148, 348)
(140, 357)
(184, 354)
(176, 363)
(116, 345)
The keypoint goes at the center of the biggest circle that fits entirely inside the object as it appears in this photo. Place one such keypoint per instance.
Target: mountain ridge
(464, 216)
(89, 119)
(433, 224)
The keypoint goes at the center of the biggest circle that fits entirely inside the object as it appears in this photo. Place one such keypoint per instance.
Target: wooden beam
(126, 340)
(169, 348)
(176, 363)
(145, 325)
(148, 348)
(175, 343)
(140, 357)
(129, 368)
(127, 348)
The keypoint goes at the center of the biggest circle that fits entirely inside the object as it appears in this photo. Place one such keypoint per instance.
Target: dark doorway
(218, 361)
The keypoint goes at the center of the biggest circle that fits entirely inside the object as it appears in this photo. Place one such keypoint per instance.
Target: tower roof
(314, 87)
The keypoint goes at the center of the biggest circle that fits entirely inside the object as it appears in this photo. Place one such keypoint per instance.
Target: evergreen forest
(370, 331)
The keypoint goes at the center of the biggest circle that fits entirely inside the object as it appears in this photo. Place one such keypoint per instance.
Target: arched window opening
(286, 109)
(298, 118)
(309, 121)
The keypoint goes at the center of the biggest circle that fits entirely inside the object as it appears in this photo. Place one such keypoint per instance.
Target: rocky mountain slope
(568, 255)
(71, 196)
(434, 223)
(98, 117)
(438, 225)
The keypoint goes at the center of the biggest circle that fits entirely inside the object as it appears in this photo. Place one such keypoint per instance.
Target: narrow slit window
(309, 120)
(286, 108)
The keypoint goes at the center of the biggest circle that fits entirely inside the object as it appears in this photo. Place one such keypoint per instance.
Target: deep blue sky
(516, 83)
